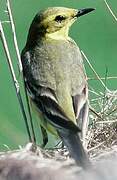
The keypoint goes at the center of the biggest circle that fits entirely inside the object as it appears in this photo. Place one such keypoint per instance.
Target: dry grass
(103, 128)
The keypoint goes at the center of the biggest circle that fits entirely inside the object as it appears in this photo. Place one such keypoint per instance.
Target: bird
(55, 77)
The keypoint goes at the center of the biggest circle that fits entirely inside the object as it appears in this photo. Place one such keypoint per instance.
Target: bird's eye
(59, 18)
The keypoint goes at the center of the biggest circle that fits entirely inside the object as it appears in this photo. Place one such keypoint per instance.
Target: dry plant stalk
(31, 133)
(92, 68)
(103, 78)
(15, 81)
(14, 35)
(9, 11)
(103, 131)
(110, 10)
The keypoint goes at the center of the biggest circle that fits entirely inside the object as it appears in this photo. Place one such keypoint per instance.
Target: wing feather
(46, 101)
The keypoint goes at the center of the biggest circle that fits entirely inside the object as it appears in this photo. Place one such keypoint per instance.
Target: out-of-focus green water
(96, 35)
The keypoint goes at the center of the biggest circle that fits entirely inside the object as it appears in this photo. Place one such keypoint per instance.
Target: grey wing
(45, 98)
(80, 104)
(79, 100)
(80, 94)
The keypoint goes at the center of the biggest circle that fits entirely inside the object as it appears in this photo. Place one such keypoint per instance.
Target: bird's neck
(62, 34)
(35, 36)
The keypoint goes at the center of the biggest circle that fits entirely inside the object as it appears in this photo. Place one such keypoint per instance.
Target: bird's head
(55, 22)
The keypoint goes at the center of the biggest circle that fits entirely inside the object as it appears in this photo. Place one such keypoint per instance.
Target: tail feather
(74, 145)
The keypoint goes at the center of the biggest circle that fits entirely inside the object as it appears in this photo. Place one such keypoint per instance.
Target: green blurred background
(96, 35)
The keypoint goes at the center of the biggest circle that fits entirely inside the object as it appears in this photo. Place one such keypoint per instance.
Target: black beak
(82, 12)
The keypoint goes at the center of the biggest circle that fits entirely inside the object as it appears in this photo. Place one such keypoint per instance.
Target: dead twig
(14, 35)
(92, 68)
(103, 78)
(110, 10)
(9, 12)
(15, 82)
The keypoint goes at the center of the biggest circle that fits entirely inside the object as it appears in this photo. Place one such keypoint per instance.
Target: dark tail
(74, 145)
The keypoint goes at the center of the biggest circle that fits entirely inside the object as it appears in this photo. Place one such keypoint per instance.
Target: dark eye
(59, 18)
